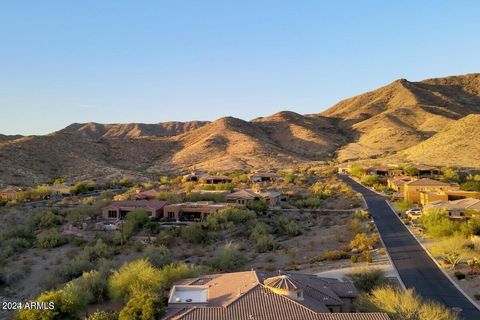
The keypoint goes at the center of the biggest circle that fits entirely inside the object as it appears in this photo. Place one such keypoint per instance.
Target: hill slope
(458, 144)
(94, 130)
(404, 113)
(421, 118)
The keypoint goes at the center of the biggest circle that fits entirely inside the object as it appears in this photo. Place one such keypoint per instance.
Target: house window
(112, 213)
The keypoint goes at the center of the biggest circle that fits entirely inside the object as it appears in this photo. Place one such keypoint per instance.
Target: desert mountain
(456, 145)
(94, 130)
(403, 113)
(5, 138)
(420, 118)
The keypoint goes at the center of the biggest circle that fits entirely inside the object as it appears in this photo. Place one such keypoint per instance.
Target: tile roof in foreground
(246, 295)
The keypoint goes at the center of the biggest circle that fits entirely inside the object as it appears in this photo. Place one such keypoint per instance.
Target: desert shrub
(95, 283)
(403, 305)
(66, 304)
(102, 315)
(355, 225)
(370, 180)
(217, 187)
(138, 274)
(258, 230)
(169, 196)
(403, 205)
(436, 223)
(259, 206)
(229, 259)
(335, 255)
(142, 306)
(50, 238)
(451, 250)
(49, 220)
(194, 233)
(356, 171)
(459, 275)
(354, 258)
(82, 187)
(450, 174)
(99, 250)
(362, 242)
(134, 221)
(197, 196)
(322, 190)
(228, 217)
(175, 271)
(288, 227)
(367, 279)
(158, 255)
(471, 185)
(265, 242)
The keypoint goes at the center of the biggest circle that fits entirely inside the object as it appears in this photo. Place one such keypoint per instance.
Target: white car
(414, 211)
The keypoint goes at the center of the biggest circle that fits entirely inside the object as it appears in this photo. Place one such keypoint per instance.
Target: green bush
(403, 305)
(356, 171)
(229, 259)
(367, 279)
(138, 274)
(102, 315)
(265, 242)
(258, 230)
(436, 223)
(197, 196)
(370, 180)
(49, 220)
(228, 217)
(50, 238)
(158, 255)
(134, 221)
(288, 227)
(335, 255)
(259, 206)
(142, 306)
(194, 233)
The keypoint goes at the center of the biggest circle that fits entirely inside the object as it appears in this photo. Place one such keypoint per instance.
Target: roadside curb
(386, 250)
(435, 260)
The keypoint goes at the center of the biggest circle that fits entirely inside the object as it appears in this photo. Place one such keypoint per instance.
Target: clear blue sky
(152, 61)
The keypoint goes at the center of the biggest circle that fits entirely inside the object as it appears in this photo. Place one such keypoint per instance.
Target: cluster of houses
(424, 190)
(258, 295)
(195, 211)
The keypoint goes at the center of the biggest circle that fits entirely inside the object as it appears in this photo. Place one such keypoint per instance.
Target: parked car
(414, 212)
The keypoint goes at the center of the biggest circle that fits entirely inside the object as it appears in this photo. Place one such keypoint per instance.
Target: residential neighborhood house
(456, 207)
(215, 179)
(191, 211)
(118, 209)
(413, 189)
(248, 196)
(254, 295)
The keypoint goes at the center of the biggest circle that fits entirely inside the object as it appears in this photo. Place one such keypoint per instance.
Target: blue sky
(152, 61)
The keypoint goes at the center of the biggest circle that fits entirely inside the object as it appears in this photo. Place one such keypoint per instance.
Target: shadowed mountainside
(403, 114)
(421, 118)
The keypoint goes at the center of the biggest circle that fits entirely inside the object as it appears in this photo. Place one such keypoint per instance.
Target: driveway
(416, 269)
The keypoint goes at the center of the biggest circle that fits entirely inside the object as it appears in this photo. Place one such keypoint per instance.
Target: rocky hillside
(417, 121)
(403, 114)
(456, 145)
(131, 130)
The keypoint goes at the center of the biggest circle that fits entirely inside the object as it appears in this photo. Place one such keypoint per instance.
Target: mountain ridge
(377, 124)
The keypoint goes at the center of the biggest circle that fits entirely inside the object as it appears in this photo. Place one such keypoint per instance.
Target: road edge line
(456, 285)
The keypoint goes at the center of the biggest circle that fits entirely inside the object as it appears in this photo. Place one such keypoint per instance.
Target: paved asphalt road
(415, 267)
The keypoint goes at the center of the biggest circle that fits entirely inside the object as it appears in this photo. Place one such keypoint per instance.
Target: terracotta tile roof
(261, 303)
(283, 282)
(241, 295)
(426, 182)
